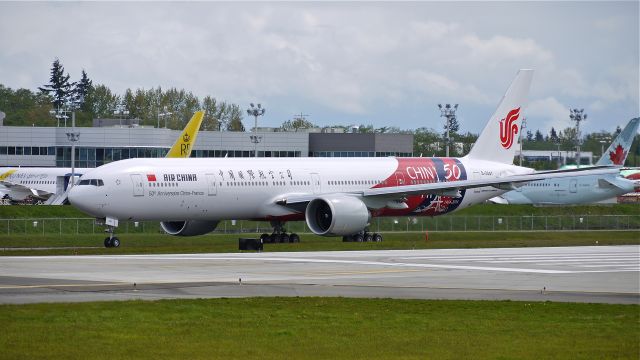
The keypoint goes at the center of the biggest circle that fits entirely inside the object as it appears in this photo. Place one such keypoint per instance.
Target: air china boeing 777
(335, 196)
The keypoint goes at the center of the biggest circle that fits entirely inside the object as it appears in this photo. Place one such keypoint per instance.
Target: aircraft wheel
(294, 238)
(107, 242)
(368, 237)
(377, 237)
(115, 242)
(285, 238)
(264, 238)
(358, 237)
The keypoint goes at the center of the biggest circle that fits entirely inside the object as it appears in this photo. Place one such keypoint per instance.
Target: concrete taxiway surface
(608, 274)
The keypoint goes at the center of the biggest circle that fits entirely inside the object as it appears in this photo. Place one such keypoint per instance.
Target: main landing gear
(279, 234)
(111, 240)
(363, 236)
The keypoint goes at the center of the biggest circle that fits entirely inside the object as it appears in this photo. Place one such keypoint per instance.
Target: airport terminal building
(98, 145)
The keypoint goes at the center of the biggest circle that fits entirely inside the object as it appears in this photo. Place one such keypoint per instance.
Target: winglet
(183, 146)
(617, 152)
(498, 141)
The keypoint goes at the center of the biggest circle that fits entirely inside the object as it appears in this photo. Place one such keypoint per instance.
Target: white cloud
(548, 112)
(358, 60)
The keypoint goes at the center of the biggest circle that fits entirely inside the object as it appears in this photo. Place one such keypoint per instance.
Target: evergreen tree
(58, 85)
(553, 136)
(529, 135)
(539, 137)
(80, 92)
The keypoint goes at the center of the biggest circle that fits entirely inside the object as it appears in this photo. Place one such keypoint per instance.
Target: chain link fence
(51, 226)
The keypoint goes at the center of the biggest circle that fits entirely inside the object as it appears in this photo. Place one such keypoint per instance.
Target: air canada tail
(617, 152)
(498, 141)
(182, 147)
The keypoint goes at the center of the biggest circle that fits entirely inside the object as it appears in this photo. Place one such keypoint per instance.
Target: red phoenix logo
(508, 128)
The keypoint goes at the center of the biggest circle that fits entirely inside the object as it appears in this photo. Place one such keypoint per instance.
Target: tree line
(95, 101)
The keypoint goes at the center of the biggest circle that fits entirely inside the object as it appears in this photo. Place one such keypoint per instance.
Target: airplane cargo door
(138, 189)
(211, 184)
(315, 182)
(573, 186)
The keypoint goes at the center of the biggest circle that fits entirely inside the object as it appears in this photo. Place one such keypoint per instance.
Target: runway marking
(61, 285)
(351, 262)
(362, 272)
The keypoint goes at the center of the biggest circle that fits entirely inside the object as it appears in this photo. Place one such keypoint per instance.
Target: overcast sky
(384, 63)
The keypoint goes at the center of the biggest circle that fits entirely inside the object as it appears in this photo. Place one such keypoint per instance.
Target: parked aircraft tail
(617, 153)
(183, 146)
(498, 141)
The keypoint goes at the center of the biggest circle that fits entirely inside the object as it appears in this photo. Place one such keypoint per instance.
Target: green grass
(319, 328)
(160, 243)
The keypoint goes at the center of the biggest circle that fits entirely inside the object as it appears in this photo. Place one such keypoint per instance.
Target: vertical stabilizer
(182, 147)
(617, 153)
(498, 141)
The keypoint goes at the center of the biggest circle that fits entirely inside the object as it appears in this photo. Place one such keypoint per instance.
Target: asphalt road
(607, 274)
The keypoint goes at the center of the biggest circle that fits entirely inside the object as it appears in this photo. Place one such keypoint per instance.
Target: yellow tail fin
(6, 174)
(184, 144)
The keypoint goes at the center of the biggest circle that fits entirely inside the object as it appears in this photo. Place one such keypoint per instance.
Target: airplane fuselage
(231, 188)
(574, 190)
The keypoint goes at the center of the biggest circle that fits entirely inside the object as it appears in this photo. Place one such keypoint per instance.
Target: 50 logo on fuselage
(509, 128)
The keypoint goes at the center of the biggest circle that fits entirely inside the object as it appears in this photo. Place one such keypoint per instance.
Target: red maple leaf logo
(618, 155)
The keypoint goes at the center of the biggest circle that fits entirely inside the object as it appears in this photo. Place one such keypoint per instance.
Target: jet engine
(188, 228)
(337, 215)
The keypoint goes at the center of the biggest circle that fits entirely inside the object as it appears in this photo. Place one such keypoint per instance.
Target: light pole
(163, 115)
(522, 127)
(73, 137)
(577, 116)
(60, 113)
(255, 111)
(449, 112)
(604, 140)
(121, 112)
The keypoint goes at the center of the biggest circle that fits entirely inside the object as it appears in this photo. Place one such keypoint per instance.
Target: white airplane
(40, 183)
(336, 196)
(580, 189)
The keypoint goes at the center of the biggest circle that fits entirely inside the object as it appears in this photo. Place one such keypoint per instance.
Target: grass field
(161, 243)
(319, 328)
(483, 209)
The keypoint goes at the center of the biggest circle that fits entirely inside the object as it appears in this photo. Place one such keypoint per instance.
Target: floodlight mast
(578, 116)
(522, 127)
(255, 111)
(449, 112)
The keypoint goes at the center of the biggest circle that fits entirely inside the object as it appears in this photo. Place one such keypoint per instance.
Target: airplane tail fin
(182, 147)
(497, 142)
(617, 153)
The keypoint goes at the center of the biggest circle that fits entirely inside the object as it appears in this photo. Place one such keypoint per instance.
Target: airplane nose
(78, 198)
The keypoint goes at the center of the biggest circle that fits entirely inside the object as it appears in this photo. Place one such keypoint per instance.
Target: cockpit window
(94, 182)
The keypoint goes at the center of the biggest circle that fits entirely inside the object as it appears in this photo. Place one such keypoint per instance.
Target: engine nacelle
(188, 228)
(337, 215)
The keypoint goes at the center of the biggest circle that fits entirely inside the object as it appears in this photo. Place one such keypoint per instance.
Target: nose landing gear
(111, 240)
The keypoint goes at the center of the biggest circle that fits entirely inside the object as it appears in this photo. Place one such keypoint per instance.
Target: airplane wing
(25, 190)
(452, 188)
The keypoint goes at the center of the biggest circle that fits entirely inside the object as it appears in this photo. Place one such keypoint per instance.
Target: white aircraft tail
(497, 142)
(617, 153)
